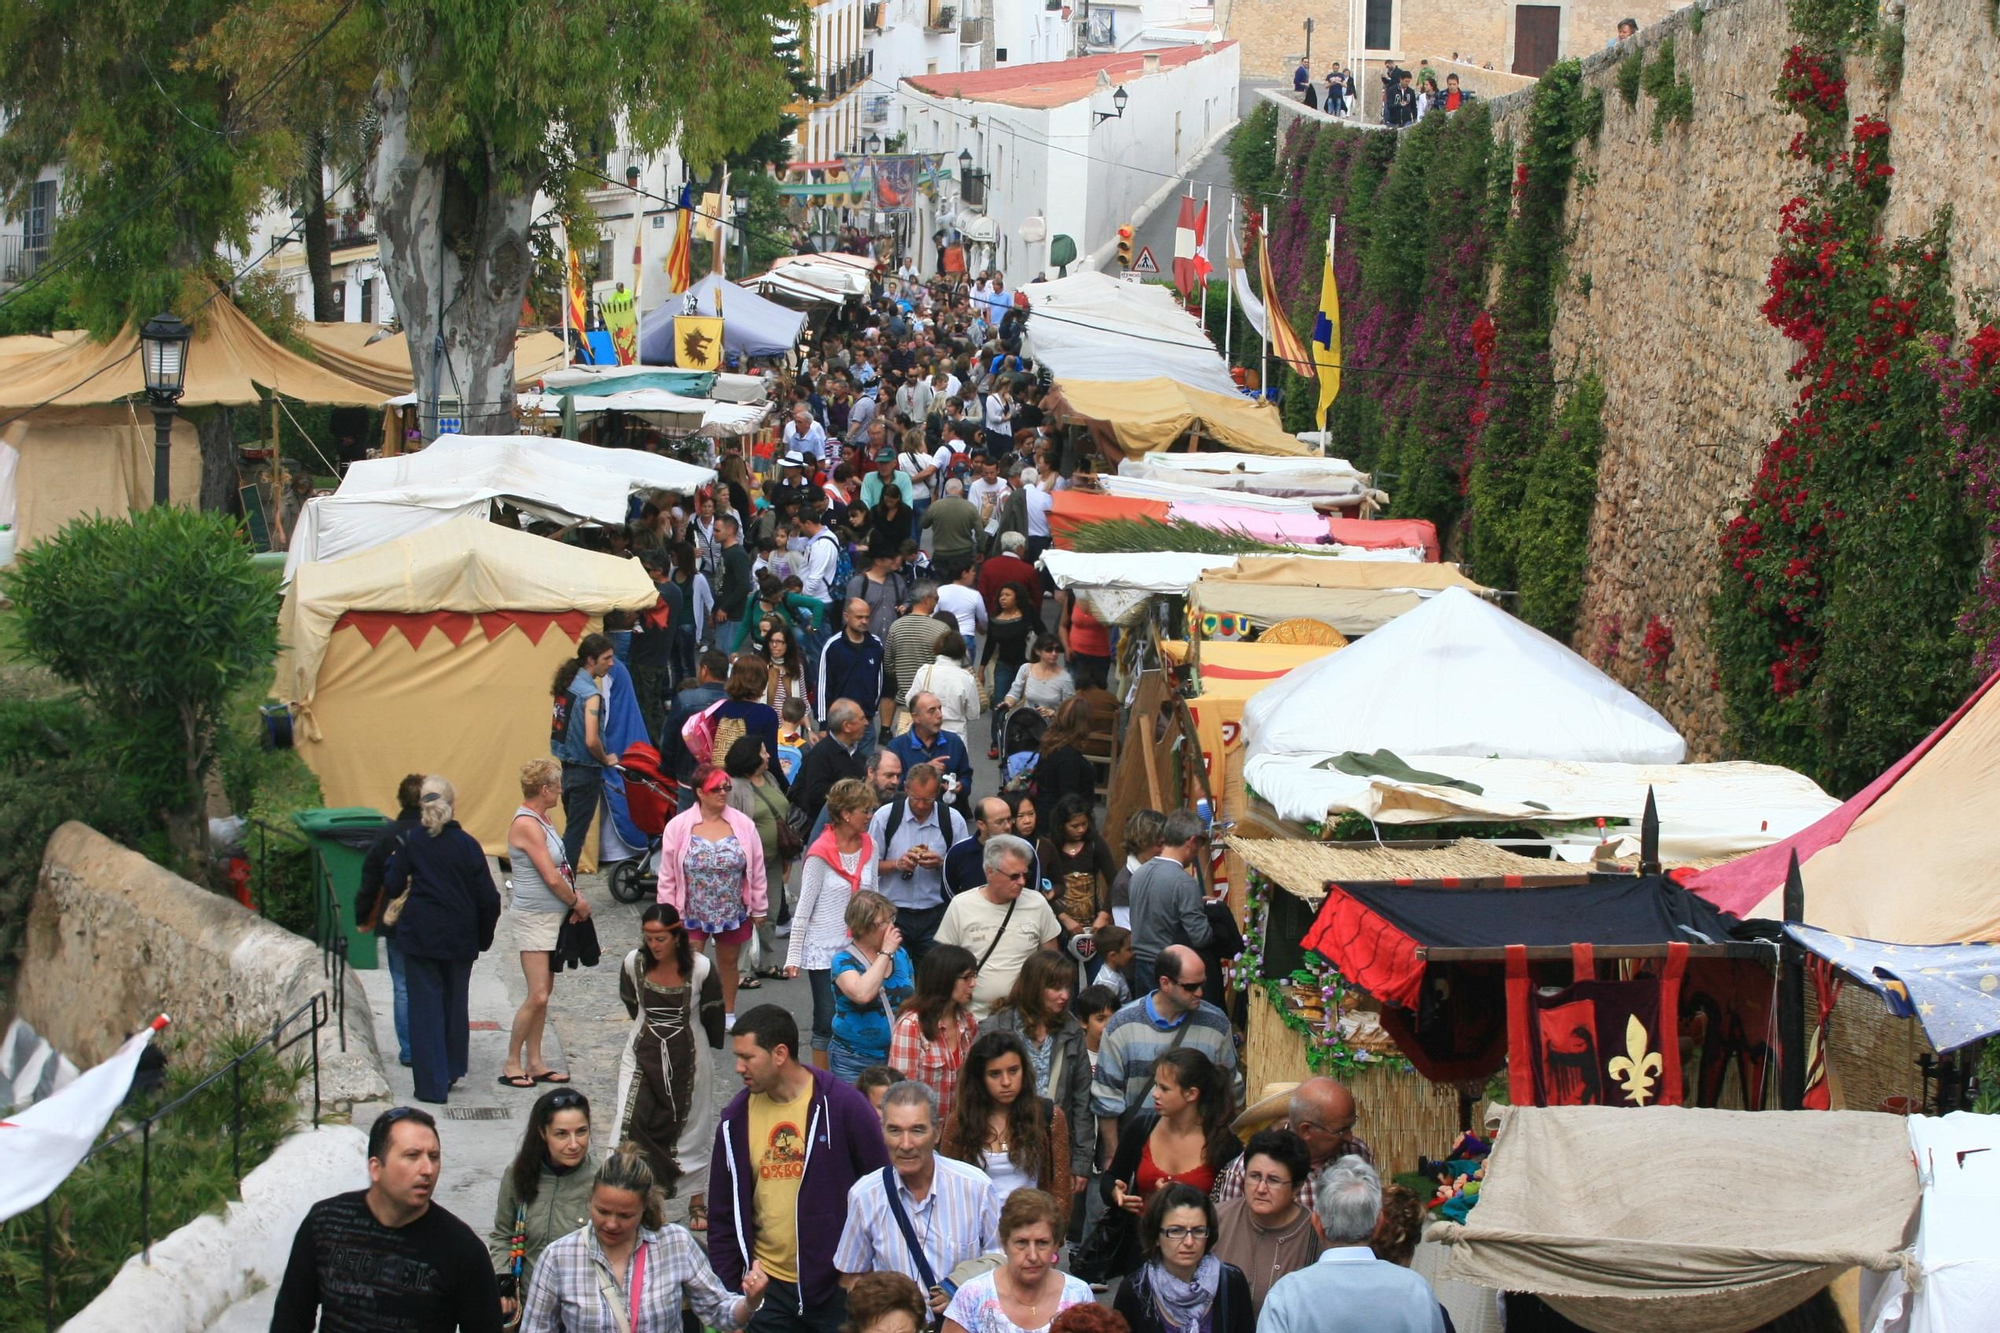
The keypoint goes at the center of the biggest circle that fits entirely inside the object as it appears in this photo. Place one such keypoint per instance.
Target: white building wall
(1083, 176)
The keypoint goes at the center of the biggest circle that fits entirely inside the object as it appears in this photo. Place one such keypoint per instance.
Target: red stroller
(650, 802)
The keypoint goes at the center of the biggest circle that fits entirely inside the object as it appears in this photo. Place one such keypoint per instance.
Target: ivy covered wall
(1590, 332)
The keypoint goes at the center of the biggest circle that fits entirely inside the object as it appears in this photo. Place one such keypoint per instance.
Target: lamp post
(1118, 100)
(163, 345)
(739, 208)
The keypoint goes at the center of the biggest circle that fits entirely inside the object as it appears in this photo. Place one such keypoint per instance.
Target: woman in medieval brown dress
(666, 1101)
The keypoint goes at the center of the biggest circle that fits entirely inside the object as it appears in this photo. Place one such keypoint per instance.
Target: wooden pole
(1792, 997)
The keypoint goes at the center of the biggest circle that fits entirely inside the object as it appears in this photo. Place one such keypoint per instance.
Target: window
(41, 217)
(368, 300)
(604, 257)
(1378, 29)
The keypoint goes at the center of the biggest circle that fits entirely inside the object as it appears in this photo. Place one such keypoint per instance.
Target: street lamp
(163, 345)
(1118, 100)
(739, 208)
(964, 162)
(873, 143)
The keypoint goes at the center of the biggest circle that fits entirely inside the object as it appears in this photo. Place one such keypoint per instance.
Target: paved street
(1212, 169)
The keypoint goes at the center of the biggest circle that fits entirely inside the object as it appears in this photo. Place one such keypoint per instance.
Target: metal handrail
(318, 1010)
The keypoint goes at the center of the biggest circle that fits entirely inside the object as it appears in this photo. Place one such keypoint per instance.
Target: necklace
(1034, 1306)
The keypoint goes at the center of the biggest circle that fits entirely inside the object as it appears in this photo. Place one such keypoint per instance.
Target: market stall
(751, 325)
(1355, 597)
(433, 653)
(1676, 1218)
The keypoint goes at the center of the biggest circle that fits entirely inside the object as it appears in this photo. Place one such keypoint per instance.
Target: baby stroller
(1020, 749)
(649, 804)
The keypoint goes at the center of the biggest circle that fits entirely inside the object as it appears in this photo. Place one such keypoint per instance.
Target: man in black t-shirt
(385, 1259)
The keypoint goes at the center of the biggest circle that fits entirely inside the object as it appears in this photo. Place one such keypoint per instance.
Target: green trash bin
(341, 838)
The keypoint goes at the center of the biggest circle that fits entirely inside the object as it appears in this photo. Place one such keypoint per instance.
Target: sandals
(770, 973)
(748, 983)
(517, 1080)
(550, 1076)
(697, 1217)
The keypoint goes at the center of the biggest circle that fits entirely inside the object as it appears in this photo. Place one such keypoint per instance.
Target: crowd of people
(1016, 1090)
(1407, 95)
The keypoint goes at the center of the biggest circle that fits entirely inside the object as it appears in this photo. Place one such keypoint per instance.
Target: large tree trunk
(318, 239)
(454, 239)
(217, 428)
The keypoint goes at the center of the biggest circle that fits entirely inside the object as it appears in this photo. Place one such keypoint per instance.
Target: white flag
(1239, 282)
(40, 1146)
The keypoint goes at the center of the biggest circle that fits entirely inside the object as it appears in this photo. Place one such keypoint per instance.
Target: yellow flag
(621, 321)
(1326, 333)
(697, 342)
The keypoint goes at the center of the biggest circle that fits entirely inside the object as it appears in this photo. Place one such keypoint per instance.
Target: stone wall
(113, 939)
(1670, 245)
(1273, 31)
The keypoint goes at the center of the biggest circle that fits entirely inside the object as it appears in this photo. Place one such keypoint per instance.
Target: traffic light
(1125, 246)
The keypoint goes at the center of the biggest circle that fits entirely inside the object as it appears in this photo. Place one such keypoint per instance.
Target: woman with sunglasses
(712, 873)
(544, 1195)
(1181, 1287)
(664, 1076)
(1043, 683)
(630, 1270)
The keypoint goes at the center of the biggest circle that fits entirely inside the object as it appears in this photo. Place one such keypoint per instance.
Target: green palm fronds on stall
(1110, 536)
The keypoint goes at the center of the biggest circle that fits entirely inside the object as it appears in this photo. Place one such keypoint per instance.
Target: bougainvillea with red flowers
(1850, 559)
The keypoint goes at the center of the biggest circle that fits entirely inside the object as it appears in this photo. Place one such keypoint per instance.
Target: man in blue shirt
(1349, 1290)
(911, 834)
(850, 667)
(927, 742)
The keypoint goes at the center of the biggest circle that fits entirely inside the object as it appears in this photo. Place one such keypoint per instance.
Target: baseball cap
(885, 455)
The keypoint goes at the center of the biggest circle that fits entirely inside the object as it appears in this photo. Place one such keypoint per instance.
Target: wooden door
(1537, 38)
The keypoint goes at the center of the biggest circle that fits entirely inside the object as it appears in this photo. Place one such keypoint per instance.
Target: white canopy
(1958, 1168)
(1457, 676)
(1178, 492)
(1094, 327)
(796, 288)
(1706, 810)
(716, 418)
(1259, 474)
(751, 325)
(457, 476)
(830, 273)
(642, 471)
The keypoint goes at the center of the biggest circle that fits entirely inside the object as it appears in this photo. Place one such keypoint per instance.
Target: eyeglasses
(1337, 1131)
(1184, 1233)
(1018, 876)
(1255, 1178)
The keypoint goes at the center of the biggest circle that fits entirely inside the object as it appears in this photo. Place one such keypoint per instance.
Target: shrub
(1673, 97)
(1630, 71)
(160, 619)
(1253, 151)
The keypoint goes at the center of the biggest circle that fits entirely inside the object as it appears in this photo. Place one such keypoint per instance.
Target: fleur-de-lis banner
(1594, 1043)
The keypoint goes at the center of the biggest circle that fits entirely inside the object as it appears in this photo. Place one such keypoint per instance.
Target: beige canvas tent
(83, 443)
(63, 463)
(384, 364)
(1143, 416)
(1353, 596)
(433, 653)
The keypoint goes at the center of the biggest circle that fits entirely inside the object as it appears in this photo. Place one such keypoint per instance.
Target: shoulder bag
(1012, 903)
(788, 840)
(625, 1315)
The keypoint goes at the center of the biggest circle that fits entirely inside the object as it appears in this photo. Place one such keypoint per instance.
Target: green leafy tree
(481, 104)
(159, 619)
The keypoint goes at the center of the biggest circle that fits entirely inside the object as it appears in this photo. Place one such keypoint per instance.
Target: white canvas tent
(1254, 474)
(1458, 676)
(751, 325)
(1094, 327)
(460, 476)
(1958, 1166)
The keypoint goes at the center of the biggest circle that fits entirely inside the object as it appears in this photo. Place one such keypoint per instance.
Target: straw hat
(1274, 1105)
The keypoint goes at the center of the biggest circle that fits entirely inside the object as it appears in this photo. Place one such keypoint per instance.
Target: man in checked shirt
(1322, 1113)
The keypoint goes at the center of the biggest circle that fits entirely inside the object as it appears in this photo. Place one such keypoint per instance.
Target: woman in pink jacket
(712, 872)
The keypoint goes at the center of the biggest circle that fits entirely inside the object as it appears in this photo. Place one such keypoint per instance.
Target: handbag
(517, 1250)
(1109, 1250)
(788, 840)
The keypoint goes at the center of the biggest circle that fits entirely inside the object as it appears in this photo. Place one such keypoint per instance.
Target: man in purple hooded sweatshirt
(789, 1147)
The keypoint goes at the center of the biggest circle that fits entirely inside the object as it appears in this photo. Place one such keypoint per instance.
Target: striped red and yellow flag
(1285, 344)
(680, 258)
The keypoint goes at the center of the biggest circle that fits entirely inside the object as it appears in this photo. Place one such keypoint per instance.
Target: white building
(1049, 156)
(24, 239)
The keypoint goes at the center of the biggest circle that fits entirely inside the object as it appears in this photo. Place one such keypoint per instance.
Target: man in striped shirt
(1171, 1014)
(951, 1207)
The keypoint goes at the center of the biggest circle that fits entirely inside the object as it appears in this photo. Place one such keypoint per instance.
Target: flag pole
(1206, 203)
(1264, 353)
(1229, 285)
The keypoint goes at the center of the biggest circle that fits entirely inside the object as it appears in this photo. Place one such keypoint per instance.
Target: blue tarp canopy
(751, 325)
(687, 383)
(1952, 990)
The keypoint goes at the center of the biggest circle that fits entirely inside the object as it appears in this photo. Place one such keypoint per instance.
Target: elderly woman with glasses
(712, 873)
(1267, 1233)
(1181, 1287)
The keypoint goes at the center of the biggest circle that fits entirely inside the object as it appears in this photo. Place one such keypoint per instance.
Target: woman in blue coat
(448, 910)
